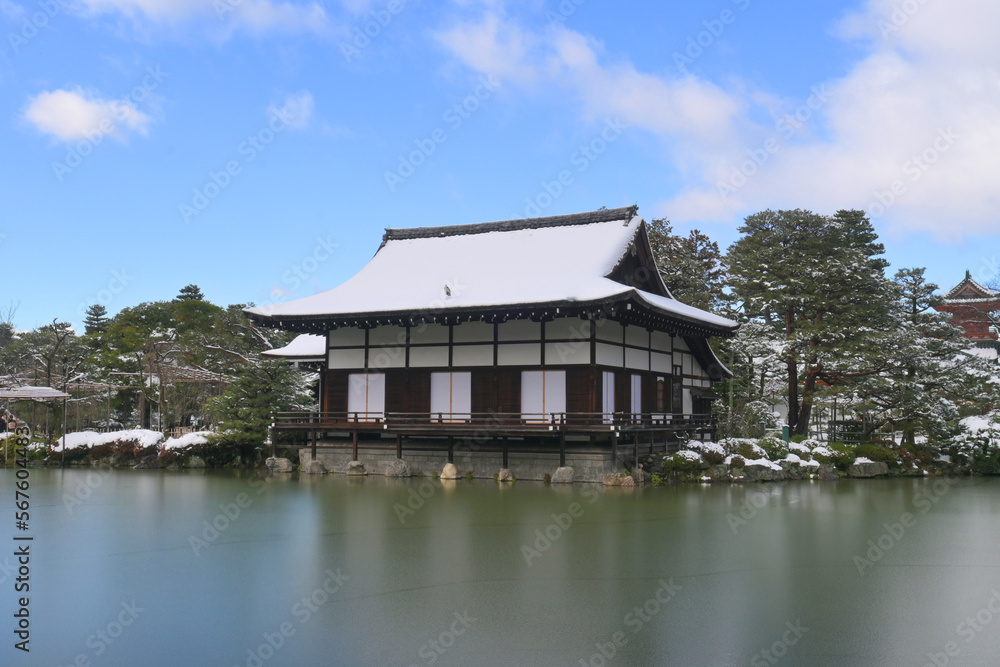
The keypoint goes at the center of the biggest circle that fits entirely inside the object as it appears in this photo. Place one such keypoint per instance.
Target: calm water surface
(337, 571)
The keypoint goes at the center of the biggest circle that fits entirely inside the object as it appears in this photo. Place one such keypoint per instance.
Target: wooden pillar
(614, 449)
(635, 445)
(451, 449)
(562, 450)
(651, 437)
(505, 452)
(274, 441)
(399, 446)
(314, 437)
(354, 445)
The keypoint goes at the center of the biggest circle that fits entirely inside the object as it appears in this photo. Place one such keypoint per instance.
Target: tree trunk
(808, 391)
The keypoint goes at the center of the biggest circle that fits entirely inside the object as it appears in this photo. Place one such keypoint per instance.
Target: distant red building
(970, 304)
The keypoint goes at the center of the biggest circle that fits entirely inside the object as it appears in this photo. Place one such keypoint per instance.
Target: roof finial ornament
(968, 274)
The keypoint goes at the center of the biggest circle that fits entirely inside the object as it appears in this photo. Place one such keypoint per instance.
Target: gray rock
(313, 468)
(827, 472)
(758, 472)
(874, 469)
(449, 471)
(504, 475)
(275, 464)
(195, 462)
(563, 475)
(613, 479)
(398, 468)
(792, 469)
(641, 477)
(719, 473)
(147, 463)
(627, 481)
(356, 468)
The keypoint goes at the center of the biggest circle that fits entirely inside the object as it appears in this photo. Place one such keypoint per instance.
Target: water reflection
(550, 575)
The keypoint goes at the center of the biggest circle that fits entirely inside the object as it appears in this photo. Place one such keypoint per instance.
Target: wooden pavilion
(534, 336)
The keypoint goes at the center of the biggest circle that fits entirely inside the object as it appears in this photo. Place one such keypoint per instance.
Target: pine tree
(96, 321)
(190, 293)
(820, 282)
(692, 267)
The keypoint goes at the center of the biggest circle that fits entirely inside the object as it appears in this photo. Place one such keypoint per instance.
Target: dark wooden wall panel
(508, 390)
(335, 391)
(483, 390)
(580, 390)
(418, 391)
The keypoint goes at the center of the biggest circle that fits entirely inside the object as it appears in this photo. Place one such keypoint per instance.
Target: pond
(229, 568)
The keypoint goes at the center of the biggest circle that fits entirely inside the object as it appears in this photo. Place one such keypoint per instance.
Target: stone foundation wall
(587, 466)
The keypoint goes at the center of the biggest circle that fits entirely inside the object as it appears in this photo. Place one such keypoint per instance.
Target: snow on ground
(793, 458)
(977, 423)
(197, 438)
(144, 437)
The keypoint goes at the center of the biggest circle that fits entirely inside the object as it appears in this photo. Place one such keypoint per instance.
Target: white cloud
(295, 110)
(255, 16)
(11, 10)
(679, 108)
(917, 112)
(70, 115)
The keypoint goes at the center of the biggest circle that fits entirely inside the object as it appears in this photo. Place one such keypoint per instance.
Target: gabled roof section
(970, 290)
(305, 347)
(573, 262)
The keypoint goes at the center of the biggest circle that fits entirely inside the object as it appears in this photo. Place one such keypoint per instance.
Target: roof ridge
(969, 280)
(602, 215)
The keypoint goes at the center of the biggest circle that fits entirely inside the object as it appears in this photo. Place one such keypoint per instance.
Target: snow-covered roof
(35, 393)
(970, 290)
(305, 347)
(555, 261)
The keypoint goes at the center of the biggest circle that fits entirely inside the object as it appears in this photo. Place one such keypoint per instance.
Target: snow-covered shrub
(877, 453)
(775, 448)
(744, 447)
(712, 452)
(978, 444)
(684, 461)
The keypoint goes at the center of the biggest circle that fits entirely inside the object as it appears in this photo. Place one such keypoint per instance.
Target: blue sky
(258, 148)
